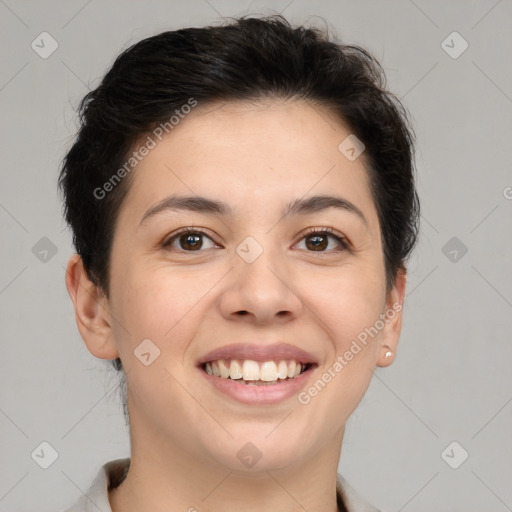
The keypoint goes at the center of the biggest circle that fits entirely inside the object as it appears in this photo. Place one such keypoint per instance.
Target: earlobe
(92, 311)
(392, 321)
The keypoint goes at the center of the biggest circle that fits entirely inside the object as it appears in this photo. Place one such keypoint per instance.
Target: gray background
(451, 380)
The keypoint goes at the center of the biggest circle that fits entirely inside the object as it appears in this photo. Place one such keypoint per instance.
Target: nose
(260, 292)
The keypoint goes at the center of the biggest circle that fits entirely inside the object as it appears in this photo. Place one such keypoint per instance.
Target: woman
(243, 205)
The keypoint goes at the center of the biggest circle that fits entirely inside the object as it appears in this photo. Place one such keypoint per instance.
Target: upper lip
(258, 352)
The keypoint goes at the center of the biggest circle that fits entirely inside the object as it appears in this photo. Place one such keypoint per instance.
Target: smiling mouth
(254, 373)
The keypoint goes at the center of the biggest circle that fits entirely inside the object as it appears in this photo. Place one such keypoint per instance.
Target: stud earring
(388, 353)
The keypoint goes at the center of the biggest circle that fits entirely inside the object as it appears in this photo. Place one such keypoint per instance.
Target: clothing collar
(113, 473)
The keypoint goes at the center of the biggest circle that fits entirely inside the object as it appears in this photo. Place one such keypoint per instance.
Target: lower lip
(265, 394)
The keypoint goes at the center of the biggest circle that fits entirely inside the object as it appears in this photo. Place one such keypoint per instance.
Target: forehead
(252, 155)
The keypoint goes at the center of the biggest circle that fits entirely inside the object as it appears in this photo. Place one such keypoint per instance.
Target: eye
(191, 240)
(188, 240)
(317, 240)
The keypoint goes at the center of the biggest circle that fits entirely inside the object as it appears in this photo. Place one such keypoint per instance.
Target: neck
(172, 479)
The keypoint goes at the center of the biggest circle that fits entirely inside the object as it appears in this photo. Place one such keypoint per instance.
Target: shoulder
(353, 501)
(95, 498)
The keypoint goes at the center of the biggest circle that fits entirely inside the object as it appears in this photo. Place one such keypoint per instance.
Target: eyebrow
(309, 205)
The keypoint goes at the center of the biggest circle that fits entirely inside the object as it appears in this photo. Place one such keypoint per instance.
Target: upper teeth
(252, 370)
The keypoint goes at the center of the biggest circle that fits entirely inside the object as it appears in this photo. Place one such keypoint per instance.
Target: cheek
(161, 306)
(347, 308)
(347, 301)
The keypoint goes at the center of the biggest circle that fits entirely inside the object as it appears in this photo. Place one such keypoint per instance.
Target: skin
(185, 435)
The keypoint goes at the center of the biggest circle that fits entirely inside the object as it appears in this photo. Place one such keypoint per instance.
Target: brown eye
(318, 240)
(188, 240)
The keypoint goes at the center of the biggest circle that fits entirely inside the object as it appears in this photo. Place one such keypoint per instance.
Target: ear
(392, 318)
(92, 311)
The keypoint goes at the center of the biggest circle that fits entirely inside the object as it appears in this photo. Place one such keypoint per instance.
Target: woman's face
(249, 278)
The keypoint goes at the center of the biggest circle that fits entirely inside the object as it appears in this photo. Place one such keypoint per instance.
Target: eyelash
(310, 231)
